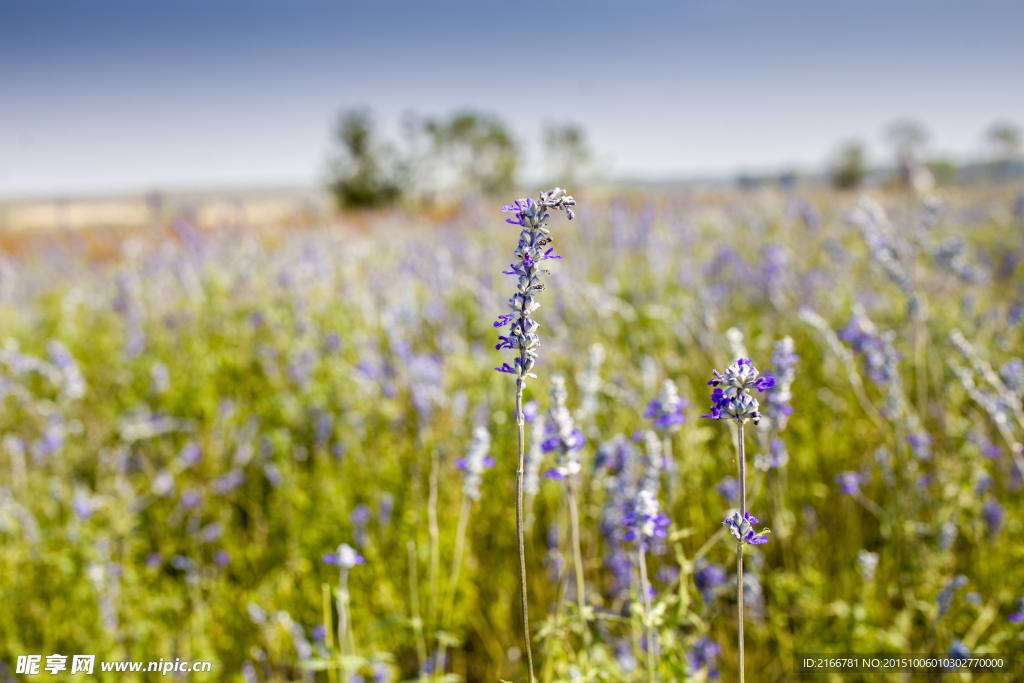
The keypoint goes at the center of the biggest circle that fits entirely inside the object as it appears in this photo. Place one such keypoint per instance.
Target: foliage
(850, 167)
(364, 172)
(224, 409)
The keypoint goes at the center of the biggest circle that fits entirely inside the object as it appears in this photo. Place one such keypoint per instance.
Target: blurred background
(250, 260)
(159, 106)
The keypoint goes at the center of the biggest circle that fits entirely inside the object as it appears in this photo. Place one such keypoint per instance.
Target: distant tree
(364, 172)
(568, 153)
(472, 152)
(908, 139)
(850, 167)
(1004, 141)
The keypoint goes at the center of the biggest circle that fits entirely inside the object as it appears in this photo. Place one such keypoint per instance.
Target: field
(189, 428)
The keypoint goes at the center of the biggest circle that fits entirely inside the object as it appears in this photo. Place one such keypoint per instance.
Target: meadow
(190, 429)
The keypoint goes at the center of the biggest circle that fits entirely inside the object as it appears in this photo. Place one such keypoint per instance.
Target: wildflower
(646, 520)
(667, 409)
(957, 650)
(783, 361)
(530, 251)
(729, 489)
(868, 562)
(563, 437)
(475, 463)
(741, 528)
(920, 444)
(344, 557)
(385, 506)
(778, 456)
(1018, 616)
(702, 654)
(730, 397)
(993, 513)
(849, 483)
(707, 577)
(945, 597)
(359, 516)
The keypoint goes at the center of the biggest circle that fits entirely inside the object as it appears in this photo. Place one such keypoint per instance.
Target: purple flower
(530, 251)
(741, 528)
(646, 520)
(1018, 616)
(667, 409)
(920, 443)
(222, 558)
(702, 654)
(229, 482)
(563, 436)
(154, 560)
(993, 514)
(708, 577)
(385, 506)
(777, 402)
(729, 488)
(190, 455)
(849, 482)
(730, 397)
(345, 557)
(475, 463)
(189, 499)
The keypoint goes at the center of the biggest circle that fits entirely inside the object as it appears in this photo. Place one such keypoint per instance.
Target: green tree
(472, 152)
(849, 167)
(1004, 142)
(364, 172)
(568, 154)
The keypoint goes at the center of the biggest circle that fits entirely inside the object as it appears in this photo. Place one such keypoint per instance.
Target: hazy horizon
(115, 96)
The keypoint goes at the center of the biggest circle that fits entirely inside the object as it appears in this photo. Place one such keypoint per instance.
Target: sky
(112, 96)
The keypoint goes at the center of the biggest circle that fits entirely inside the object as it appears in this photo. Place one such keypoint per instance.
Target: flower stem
(414, 601)
(741, 461)
(449, 608)
(520, 383)
(435, 552)
(581, 599)
(332, 675)
(645, 589)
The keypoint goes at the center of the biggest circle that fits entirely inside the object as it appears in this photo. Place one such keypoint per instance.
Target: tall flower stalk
(344, 558)
(566, 440)
(472, 466)
(731, 400)
(523, 340)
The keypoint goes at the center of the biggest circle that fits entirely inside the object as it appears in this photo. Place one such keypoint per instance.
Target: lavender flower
(945, 597)
(849, 483)
(784, 360)
(729, 489)
(646, 521)
(741, 528)
(475, 463)
(344, 557)
(1018, 616)
(563, 437)
(702, 655)
(533, 217)
(667, 409)
(993, 513)
(359, 517)
(777, 456)
(708, 577)
(730, 397)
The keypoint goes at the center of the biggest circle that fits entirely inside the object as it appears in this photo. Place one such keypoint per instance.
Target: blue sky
(112, 95)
